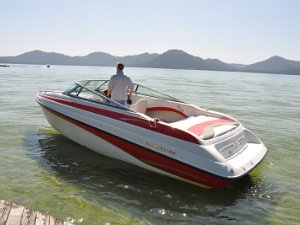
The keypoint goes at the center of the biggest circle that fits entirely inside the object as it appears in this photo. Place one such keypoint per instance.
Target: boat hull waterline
(154, 145)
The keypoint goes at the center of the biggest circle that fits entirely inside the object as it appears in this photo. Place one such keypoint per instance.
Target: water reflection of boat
(157, 132)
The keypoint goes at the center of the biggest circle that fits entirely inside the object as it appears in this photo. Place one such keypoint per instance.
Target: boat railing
(151, 92)
(138, 89)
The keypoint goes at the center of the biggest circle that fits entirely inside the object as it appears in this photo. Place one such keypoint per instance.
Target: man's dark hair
(120, 66)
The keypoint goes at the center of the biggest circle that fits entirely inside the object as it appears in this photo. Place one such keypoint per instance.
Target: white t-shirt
(120, 84)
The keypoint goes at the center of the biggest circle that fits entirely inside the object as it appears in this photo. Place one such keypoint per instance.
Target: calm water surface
(43, 170)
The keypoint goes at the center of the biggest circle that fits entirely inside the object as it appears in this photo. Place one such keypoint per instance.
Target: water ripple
(45, 171)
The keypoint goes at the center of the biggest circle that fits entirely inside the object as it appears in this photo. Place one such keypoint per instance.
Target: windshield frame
(81, 85)
(149, 92)
(98, 87)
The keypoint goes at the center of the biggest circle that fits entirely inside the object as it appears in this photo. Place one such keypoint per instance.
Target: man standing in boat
(120, 86)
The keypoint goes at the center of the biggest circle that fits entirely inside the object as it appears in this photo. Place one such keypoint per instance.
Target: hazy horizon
(143, 53)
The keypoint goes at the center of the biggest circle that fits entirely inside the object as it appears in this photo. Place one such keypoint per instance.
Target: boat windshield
(90, 91)
(96, 91)
(102, 85)
(143, 90)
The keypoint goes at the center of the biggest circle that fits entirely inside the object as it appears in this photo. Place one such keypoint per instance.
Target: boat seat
(206, 127)
(140, 106)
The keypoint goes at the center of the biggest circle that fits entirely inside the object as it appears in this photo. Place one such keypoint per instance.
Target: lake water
(43, 170)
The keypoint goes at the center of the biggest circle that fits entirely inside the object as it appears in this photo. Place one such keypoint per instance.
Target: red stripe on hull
(154, 159)
(140, 122)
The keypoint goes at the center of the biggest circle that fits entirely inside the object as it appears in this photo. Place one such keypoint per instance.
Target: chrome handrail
(170, 97)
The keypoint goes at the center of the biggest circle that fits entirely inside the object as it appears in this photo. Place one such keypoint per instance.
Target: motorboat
(157, 132)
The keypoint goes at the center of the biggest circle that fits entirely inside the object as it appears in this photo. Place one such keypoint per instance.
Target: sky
(234, 31)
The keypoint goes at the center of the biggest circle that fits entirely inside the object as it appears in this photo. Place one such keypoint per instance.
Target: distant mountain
(92, 59)
(274, 64)
(215, 64)
(177, 59)
(95, 59)
(172, 59)
(137, 60)
(38, 57)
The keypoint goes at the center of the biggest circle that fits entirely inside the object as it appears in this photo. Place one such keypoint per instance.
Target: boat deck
(12, 214)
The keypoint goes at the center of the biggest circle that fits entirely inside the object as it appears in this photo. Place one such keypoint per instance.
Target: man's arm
(109, 91)
(131, 86)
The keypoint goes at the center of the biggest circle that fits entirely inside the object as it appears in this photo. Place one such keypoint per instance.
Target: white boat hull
(165, 148)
